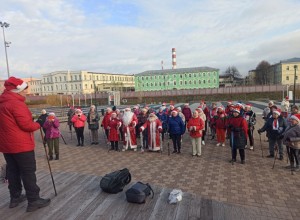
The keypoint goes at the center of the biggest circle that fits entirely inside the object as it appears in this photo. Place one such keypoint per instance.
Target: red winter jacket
(106, 120)
(197, 124)
(16, 124)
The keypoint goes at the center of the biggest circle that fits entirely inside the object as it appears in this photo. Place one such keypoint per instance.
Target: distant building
(183, 78)
(84, 82)
(279, 73)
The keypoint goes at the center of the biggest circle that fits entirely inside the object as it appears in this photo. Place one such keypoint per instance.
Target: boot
(39, 203)
(50, 157)
(57, 157)
(14, 202)
(78, 144)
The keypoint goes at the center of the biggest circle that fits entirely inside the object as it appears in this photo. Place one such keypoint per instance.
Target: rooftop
(177, 71)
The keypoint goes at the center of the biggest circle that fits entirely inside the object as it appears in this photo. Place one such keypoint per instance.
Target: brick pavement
(270, 193)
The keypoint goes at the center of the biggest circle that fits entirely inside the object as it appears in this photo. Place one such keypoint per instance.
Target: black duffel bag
(138, 192)
(116, 181)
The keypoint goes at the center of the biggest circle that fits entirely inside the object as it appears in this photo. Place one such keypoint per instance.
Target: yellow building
(84, 82)
(286, 68)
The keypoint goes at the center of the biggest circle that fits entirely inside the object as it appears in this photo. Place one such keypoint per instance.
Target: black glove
(230, 126)
(259, 131)
(101, 125)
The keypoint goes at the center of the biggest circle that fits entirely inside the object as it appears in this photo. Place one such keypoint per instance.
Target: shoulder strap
(150, 189)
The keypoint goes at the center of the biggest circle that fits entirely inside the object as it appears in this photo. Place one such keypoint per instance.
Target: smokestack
(162, 64)
(173, 58)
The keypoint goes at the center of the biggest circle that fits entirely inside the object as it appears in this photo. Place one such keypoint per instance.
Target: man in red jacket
(17, 145)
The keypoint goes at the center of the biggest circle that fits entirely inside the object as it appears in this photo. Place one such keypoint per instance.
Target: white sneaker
(123, 149)
(135, 149)
(223, 145)
(251, 148)
(203, 143)
(218, 144)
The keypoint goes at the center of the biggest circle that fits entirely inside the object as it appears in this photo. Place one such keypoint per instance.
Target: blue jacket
(163, 118)
(176, 125)
(268, 126)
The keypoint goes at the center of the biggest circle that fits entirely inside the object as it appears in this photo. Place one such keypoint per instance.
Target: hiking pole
(262, 151)
(276, 151)
(44, 143)
(62, 137)
(105, 139)
(142, 141)
(232, 138)
(161, 143)
(168, 144)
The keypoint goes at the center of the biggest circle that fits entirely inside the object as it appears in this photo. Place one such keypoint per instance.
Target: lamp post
(294, 96)
(6, 44)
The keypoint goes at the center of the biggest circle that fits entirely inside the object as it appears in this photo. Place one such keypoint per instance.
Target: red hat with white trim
(287, 98)
(174, 111)
(236, 109)
(277, 111)
(14, 84)
(248, 105)
(295, 117)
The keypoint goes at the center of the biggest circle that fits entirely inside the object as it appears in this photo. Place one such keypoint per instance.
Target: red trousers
(221, 135)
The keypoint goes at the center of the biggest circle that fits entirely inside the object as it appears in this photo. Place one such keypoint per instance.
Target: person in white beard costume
(129, 120)
(154, 129)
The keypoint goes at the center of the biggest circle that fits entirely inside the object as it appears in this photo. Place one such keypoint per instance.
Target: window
(60, 79)
(174, 83)
(185, 82)
(181, 83)
(71, 78)
(204, 81)
(296, 77)
(66, 86)
(203, 74)
(190, 75)
(65, 78)
(195, 82)
(75, 77)
(75, 86)
(199, 81)
(287, 68)
(287, 78)
(55, 79)
(91, 86)
(85, 86)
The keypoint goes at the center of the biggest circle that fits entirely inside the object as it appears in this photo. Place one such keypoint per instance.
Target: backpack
(115, 182)
(138, 192)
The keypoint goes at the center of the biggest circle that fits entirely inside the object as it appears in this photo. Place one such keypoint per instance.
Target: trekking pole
(62, 137)
(276, 151)
(90, 135)
(231, 146)
(105, 139)
(262, 151)
(44, 143)
(168, 144)
(161, 143)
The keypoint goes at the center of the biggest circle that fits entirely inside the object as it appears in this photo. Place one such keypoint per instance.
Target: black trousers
(114, 145)
(106, 133)
(20, 168)
(293, 154)
(176, 138)
(250, 136)
(241, 151)
(79, 134)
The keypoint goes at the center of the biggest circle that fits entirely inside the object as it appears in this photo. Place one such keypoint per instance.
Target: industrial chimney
(173, 58)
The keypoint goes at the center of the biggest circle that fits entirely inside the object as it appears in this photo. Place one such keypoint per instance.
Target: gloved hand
(101, 125)
(259, 131)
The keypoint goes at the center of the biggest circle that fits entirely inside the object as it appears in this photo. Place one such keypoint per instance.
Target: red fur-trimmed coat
(113, 125)
(154, 129)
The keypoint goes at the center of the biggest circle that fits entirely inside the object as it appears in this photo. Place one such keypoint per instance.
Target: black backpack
(115, 182)
(138, 192)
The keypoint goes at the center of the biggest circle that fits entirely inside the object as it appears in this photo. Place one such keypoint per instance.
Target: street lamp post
(294, 96)
(6, 44)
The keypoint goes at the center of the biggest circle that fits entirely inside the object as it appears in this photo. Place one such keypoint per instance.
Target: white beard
(152, 119)
(127, 118)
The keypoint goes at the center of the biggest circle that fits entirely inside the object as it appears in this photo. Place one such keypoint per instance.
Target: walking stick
(44, 143)
(105, 139)
(168, 143)
(142, 141)
(276, 151)
(262, 151)
(62, 137)
(161, 143)
(231, 146)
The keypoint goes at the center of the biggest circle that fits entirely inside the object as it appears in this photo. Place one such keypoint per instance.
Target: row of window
(191, 82)
(50, 88)
(181, 75)
(288, 78)
(90, 77)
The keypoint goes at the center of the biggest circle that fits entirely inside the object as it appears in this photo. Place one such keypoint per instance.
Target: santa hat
(78, 111)
(277, 111)
(175, 110)
(164, 104)
(248, 105)
(179, 109)
(113, 113)
(236, 109)
(127, 109)
(287, 98)
(229, 102)
(199, 110)
(108, 109)
(15, 85)
(186, 104)
(51, 114)
(295, 117)
(152, 114)
(136, 107)
(171, 106)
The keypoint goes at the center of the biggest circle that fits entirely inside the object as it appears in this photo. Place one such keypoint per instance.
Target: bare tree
(263, 74)
(232, 72)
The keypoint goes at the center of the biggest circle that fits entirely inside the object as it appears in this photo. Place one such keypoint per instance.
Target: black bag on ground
(138, 192)
(115, 182)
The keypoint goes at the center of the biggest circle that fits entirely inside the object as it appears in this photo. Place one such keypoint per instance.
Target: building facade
(84, 82)
(183, 78)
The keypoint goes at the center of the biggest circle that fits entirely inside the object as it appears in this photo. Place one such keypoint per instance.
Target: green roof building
(184, 78)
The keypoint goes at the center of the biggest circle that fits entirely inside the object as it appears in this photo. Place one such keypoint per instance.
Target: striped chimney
(173, 58)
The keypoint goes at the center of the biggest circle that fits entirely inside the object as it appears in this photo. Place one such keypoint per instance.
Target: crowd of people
(234, 122)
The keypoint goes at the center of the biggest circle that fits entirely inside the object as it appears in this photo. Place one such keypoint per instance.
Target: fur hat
(179, 109)
(271, 103)
(295, 117)
(15, 85)
(51, 114)
(277, 111)
(43, 111)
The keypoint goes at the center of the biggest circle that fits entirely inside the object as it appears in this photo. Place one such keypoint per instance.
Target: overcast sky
(132, 36)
